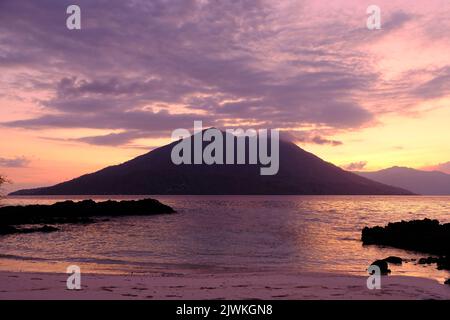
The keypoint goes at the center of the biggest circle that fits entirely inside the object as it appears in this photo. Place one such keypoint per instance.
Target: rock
(47, 229)
(82, 211)
(394, 260)
(7, 230)
(383, 265)
(425, 235)
(447, 281)
(11, 217)
(44, 229)
(13, 230)
(443, 263)
(428, 260)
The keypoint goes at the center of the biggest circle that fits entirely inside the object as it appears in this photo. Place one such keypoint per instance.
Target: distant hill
(420, 182)
(154, 173)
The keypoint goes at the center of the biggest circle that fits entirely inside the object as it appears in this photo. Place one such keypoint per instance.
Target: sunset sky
(75, 101)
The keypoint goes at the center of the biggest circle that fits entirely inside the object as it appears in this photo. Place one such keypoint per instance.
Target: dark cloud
(153, 123)
(17, 162)
(227, 60)
(308, 137)
(113, 139)
(438, 86)
(320, 140)
(397, 20)
(355, 166)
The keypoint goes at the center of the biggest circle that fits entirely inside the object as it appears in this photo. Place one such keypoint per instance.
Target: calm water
(228, 233)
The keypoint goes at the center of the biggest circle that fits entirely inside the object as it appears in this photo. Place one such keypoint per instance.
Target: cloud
(437, 87)
(320, 140)
(444, 167)
(397, 20)
(208, 56)
(18, 162)
(249, 61)
(155, 124)
(112, 139)
(355, 166)
(308, 137)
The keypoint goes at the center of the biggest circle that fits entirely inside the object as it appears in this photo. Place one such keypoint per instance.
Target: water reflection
(228, 233)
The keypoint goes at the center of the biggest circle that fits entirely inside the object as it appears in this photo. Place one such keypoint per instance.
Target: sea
(235, 234)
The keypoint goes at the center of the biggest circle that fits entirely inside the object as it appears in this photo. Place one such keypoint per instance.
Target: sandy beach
(217, 286)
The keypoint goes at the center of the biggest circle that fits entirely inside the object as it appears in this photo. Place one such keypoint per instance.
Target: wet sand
(263, 285)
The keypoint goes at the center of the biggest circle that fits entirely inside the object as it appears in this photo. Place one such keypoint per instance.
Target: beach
(225, 150)
(230, 286)
(225, 247)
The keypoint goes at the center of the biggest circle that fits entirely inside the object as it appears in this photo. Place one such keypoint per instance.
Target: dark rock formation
(383, 265)
(5, 229)
(44, 229)
(428, 260)
(394, 260)
(12, 230)
(418, 235)
(73, 212)
(444, 263)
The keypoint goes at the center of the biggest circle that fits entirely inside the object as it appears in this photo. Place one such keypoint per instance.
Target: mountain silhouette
(300, 173)
(418, 181)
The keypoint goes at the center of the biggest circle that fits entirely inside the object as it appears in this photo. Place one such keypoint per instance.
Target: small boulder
(428, 260)
(44, 229)
(394, 260)
(443, 263)
(383, 265)
(47, 229)
(8, 230)
(4, 230)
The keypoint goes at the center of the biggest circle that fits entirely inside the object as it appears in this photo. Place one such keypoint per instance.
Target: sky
(75, 101)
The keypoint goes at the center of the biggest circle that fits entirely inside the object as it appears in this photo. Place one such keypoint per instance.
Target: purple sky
(139, 69)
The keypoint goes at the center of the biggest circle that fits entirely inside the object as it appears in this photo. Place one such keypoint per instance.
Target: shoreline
(211, 286)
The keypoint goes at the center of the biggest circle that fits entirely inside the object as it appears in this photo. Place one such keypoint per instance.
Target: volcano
(300, 173)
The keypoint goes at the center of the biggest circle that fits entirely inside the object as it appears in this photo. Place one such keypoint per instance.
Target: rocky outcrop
(11, 217)
(426, 235)
(12, 230)
(383, 265)
(393, 260)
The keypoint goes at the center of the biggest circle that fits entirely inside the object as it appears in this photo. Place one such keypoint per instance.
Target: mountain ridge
(417, 181)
